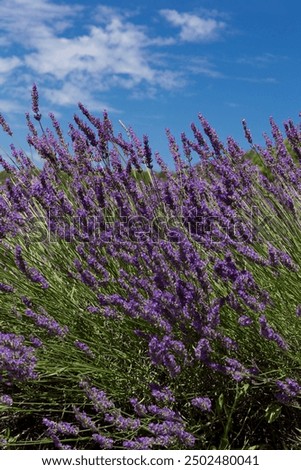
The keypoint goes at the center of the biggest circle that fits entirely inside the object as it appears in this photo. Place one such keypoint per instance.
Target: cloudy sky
(154, 64)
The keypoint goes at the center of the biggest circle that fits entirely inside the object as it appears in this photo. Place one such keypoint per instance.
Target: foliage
(144, 309)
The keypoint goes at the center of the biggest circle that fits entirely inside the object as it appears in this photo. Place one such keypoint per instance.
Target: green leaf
(220, 403)
(244, 389)
(272, 412)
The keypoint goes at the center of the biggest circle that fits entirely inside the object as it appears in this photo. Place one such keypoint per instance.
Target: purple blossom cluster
(170, 433)
(36, 342)
(269, 333)
(164, 352)
(32, 273)
(99, 399)
(47, 323)
(139, 443)
(175, 293)
(120, 422)
(166, 428)
(162, 394)
(103, 441)
(17, 361)
(6, 400)
(57, 429)
(84, 347)
(84, 420)
(202, 403)
(6, 288)
(288, 390)
(180, 256)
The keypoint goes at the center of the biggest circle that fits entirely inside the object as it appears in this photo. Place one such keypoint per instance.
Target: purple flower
(47, 323)
(161, 353)
(93, 309)
(61, 427)
(19, 259)
(139, 408)
(163, 413)
(58, 444)
(3, 443)
(102, 441)
(172, 431)
(35, 103)
(226, 269)
(244, 320)
(229, 343)
(5, 126)
(84, 420)
(27, 302)
(35, 276)
(98, 397)
(213, 314)
(88, 278)
(6, 288)
(17, 361)
(121, 423)
(163, 394)
(6, 400)
(235, 369)
(36, 342)
(278, 257)
(53, 429)
(84, 347)
(203, 350)
(248, 135)
(289, 389)
(164, 440)
(298, 311)
(32, 273)
(202, 403)
(269, 333)
(140, 443)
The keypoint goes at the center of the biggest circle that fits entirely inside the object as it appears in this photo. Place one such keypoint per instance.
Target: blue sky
(154, 64)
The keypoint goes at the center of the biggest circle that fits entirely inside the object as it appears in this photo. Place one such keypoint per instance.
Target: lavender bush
(147, 310)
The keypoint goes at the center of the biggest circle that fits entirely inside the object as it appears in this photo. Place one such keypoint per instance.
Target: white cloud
(69, 94)
(7, 65)
(25, 21)
(202, 66)
(76, 54)
(114, 49)
(263, 60)
(10, 106)
(194, 28)
(232, 104)
(71, 51)
(268, 80)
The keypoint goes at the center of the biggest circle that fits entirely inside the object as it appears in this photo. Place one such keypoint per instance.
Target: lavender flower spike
(202, 403)
(100, 401)
(289, 389)
(84, 347)
(35, 103)
(6, 400)
(102, 441)
(163, 394)
(5, 126)
(6, 288)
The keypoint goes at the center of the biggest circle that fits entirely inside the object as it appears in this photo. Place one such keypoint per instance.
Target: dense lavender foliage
(143, 304)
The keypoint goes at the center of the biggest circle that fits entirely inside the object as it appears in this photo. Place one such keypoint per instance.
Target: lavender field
(143, 307)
